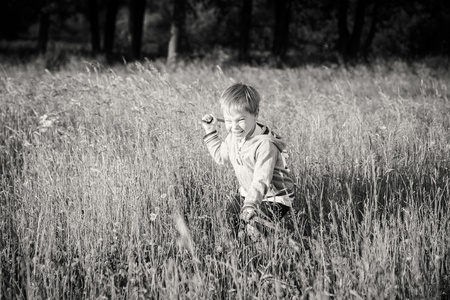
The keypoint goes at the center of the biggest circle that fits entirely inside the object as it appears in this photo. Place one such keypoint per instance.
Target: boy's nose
(235, 126)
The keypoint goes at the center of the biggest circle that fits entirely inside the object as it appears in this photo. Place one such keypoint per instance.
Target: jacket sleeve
(217, 148)
(265, 160)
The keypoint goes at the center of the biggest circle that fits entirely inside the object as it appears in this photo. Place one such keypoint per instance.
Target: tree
(246, 21)
(350, 41)
(110, 26)
(52, 12)
(16, 16)
(430, 33)
(93, 19)
(44, 26)
(176, 31)
(372, 28)
(136, 23)
(281, 30)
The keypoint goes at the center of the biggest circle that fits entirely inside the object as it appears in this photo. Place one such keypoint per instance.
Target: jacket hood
(270, 135)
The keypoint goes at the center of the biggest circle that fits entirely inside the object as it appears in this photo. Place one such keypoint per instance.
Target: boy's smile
(240, 123)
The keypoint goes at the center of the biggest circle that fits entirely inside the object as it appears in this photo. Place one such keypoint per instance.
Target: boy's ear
(257, 112)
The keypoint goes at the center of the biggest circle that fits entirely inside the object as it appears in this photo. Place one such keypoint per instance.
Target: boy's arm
(266, 158)
(216, 147)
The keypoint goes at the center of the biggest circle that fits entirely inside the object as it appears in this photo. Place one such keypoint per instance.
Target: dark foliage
(286, 30)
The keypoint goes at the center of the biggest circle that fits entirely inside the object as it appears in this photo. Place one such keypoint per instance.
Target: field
(107, 191)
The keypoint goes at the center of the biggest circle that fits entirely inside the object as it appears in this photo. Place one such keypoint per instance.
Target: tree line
(353, 29)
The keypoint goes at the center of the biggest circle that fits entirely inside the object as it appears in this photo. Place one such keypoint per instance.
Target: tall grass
(108, 191)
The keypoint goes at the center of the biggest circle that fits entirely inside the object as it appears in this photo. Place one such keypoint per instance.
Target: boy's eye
(231, 121)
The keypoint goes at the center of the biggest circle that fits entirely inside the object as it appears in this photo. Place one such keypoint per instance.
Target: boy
(256, 154)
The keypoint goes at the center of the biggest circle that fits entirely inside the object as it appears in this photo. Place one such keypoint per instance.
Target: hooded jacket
(259, 163)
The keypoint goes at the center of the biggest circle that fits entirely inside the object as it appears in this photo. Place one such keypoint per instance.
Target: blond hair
(240, 96)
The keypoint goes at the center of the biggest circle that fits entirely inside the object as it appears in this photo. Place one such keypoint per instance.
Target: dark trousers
(270, 211)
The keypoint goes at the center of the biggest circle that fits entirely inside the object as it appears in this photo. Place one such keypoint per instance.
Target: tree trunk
(350, 42)
(44, 26)
(93, 18)
(344, 35)
(358, 26)
(110, 26)
(246, 22)
(173, 45)
(281, 32)
(176, 31)
(372, 30)
(136, 23)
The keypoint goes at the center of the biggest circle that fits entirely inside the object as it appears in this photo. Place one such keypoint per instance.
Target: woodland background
(283, 31)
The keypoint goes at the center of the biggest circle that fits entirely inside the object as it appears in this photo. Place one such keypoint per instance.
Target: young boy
(257, 155)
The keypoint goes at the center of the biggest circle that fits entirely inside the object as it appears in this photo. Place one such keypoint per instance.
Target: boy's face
(239, 123)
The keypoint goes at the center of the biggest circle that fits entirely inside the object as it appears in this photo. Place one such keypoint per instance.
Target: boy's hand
(248, 213)
(209, 123)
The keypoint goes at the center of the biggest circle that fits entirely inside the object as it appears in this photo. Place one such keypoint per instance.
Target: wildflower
(45, 122)
(153, 217)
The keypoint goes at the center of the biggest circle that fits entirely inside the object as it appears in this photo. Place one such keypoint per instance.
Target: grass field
(107, 191)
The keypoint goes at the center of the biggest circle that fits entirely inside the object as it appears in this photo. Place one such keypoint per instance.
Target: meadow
(108, 192)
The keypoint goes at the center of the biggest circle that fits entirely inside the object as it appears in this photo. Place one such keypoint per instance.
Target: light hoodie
(259, 163)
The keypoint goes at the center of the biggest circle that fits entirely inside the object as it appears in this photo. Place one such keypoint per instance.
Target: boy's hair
(240, 96)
